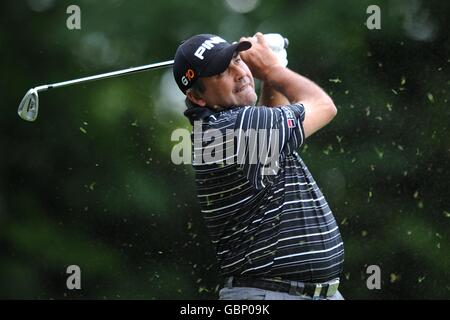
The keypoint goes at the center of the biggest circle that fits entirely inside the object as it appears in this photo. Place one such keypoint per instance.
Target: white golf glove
(277, 43)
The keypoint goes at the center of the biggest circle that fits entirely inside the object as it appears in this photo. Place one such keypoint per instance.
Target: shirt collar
(197, 113)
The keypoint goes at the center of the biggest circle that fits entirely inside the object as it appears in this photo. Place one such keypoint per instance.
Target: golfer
(274, 234)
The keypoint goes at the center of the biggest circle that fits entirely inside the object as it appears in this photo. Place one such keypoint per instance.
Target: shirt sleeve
(266, 135)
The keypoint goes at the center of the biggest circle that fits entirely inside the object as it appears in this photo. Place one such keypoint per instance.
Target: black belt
(313, 290)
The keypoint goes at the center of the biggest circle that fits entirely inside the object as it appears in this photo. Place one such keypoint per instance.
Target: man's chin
(250, 99)
(253, 100)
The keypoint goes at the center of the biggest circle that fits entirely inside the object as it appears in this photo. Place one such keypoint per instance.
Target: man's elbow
(319, 116)
(333, 109)
(330, 108)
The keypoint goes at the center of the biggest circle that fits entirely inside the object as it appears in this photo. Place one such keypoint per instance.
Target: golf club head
(29, 106)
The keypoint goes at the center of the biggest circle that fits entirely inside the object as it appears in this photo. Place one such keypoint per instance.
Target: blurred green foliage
(91, 182)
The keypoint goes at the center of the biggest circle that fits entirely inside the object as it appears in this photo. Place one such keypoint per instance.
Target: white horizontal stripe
(224, 191)
(307, 200)
(259, 267)
(296, 184)
(234, 233)
(309, 235)
(306, 243)
(231, 205)
(309, 252)
(310, 260)
(302, 208)
(232, 264)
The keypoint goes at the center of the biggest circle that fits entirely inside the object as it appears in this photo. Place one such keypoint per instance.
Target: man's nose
(238, 72)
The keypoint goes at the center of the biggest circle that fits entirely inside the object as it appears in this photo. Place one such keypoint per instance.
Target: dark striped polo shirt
(263, 225)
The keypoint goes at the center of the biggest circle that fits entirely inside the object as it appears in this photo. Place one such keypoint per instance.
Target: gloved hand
(278, 45)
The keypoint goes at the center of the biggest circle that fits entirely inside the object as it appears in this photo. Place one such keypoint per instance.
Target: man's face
(234, 87)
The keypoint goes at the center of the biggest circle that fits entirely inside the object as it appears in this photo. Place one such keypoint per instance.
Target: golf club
(29, 106)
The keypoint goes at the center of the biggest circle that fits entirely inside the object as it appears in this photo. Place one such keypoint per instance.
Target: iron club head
(29, 106)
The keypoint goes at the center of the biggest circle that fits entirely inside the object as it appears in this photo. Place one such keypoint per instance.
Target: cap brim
(223, 58)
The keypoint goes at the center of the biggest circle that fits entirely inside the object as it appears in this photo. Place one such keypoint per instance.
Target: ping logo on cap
(207, 45)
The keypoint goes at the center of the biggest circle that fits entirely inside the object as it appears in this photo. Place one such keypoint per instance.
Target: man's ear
(195, 98)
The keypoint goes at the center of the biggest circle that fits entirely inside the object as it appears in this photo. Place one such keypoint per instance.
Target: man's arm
(270, 97)
(319, 107)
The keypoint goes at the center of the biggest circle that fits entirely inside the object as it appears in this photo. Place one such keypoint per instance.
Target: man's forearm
(270, 97)
(294, 87)
(319, 107)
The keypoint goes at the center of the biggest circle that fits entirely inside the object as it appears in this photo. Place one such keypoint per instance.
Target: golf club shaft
(105, 75)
